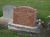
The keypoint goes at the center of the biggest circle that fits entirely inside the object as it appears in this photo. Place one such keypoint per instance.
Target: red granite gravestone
(24, 15)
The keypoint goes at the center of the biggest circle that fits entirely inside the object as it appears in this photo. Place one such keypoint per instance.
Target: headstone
(24, 15)
(8, 11)
(24, 19)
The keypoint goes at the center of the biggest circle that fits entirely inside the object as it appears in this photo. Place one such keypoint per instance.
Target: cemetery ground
(42, 6)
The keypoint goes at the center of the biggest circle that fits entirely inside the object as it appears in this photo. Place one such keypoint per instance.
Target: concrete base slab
(23, 28)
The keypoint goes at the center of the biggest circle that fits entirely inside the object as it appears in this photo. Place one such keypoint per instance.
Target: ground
(10, 33)
(42, 6)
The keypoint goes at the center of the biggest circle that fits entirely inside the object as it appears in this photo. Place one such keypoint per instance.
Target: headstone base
(23, 28)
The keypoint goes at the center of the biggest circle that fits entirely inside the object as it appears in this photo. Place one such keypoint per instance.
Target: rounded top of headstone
(26, 7)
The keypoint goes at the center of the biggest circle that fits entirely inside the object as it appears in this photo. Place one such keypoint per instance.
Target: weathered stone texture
(24, 16)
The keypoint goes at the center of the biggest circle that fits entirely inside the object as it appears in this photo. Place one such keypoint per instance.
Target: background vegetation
(42, 6)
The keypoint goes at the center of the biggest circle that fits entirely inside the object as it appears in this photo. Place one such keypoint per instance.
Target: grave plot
(24, 19)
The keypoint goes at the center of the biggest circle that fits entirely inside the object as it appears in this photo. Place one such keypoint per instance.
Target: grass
(42, 6)
(9, 33)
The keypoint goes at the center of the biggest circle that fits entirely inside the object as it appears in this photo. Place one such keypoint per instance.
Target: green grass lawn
(9, 33)
(42, 6)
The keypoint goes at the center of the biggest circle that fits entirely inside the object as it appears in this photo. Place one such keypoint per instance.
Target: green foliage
(7, 33)
(1, 13)
(42, 6)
